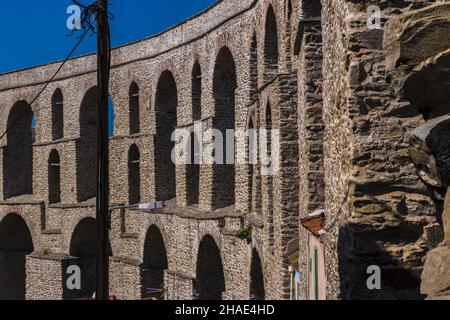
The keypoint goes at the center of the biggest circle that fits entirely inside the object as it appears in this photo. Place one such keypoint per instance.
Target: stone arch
(161, 224)
(154, 263)
(145, 99)
(257, 245)
(204, 230)
(83, 250)
(224, 92)
(166, 104)
(289, 10)
(86, 147)
(268, 126)
(54, 177)
(252, 146)
(271, 53)
(311, 12)
(196, 92)
(18, 153)
(270, 102)
(268, 119)
(224, 42)
(257, 287)
(134, 175)
(57, 115)
(288, 33)
(134, 109)
(193, 169)
(164, 68)
(15, 244)
(255, 198)
(311, 9)
(252, 116)
(210, 279)
(254, 87)
(83, 241)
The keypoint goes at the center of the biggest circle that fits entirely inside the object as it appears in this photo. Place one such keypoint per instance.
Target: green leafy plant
(245, 234)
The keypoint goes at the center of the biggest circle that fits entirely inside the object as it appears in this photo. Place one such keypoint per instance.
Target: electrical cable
(81, 38)
(87, 22)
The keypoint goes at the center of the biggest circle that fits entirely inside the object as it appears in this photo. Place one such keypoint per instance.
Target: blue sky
(34, 32)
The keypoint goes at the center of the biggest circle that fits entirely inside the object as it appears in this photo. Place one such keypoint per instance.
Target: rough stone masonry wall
(337, 140)
(198, 39)
(419, 63)
(379, 212)
(308, 51)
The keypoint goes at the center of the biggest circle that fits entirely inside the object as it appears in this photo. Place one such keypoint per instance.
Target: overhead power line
(88, 21)
(80, 39)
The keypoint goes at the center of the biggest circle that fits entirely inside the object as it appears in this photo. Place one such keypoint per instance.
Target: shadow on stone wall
(359, 247)
(15, 244)
(83, 249)
(155, 262)
(210, 284)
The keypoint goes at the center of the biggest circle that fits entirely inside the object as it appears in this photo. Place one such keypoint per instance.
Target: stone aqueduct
(311, 69)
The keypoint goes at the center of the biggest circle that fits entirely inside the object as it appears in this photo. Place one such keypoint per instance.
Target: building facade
(344, 96)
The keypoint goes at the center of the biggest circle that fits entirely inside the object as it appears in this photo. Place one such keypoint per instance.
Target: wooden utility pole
(102, 205)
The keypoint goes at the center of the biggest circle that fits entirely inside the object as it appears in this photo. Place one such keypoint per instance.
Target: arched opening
(57, 115)
(54, 178)
(87, 147)
(288, 34)
(83, 248)
(257, 291)
(311, 9)
(134, 175)
(196, 92)
(251, 160)
(269, 176)
(270, 45)
(15, 244)
(289, 10)
(210, 284)
(254, 68)
(134, 112)
(166, 121)
(154, 263)
(193, 170)
(18, 153)
(224, 90)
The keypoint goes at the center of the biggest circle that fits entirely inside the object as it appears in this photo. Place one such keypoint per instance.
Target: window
(134, 112)
(271, 45)
(134, 175)
(54, 178)
(196, 92)
(57, 115)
